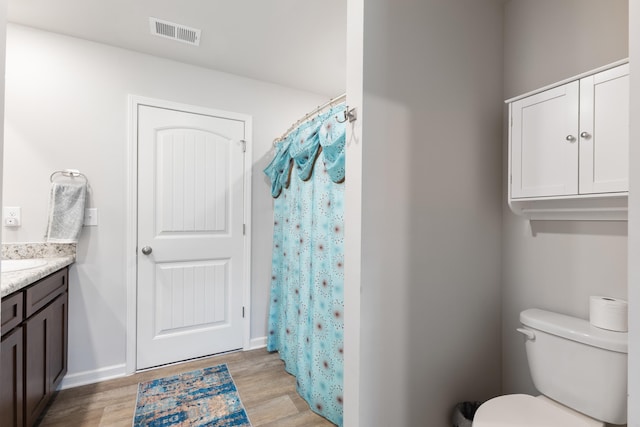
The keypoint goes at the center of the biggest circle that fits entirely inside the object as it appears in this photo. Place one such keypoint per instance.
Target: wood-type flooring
(267, 391)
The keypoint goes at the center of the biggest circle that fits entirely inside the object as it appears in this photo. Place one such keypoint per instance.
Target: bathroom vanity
(34, 339)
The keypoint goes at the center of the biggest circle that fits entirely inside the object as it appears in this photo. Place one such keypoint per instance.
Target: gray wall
(557, 265)
(431, 217)
(3, 48)
(550, 40)
(634, 220)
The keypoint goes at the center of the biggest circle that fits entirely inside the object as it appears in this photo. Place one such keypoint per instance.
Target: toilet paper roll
(608, 313)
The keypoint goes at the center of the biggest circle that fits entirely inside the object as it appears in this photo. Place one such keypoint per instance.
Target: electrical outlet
(12, 216)
(90, 217)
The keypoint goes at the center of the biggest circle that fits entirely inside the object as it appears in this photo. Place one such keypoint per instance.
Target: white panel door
(544, 147)
(190, 214)
(604, 131)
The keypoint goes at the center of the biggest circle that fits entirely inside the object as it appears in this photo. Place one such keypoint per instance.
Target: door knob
(570, 138)
(585, 135)
(147, 250)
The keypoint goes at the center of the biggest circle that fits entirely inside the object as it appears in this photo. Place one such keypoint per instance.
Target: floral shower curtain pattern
(307, 299)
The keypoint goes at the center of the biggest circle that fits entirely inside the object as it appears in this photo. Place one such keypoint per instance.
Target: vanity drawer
(12, 313)
(45, 291)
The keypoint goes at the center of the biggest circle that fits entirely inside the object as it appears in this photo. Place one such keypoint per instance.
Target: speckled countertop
(57, 256)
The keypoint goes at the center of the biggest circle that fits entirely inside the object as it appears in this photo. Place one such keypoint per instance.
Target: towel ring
(71, 173)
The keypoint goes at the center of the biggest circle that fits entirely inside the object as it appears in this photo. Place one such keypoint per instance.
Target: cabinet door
(36, 380)
(604, 131)
(57, 340)
(544, 148)
(11, 379)
(45, 355)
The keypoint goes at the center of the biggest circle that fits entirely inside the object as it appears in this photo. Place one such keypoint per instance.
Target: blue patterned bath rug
(206, 397)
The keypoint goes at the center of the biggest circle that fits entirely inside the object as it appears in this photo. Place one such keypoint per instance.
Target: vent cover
(171, 30)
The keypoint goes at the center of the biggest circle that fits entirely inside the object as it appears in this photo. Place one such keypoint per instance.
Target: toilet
(580, 371)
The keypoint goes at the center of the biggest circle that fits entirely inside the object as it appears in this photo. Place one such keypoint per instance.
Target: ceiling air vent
(174, 31)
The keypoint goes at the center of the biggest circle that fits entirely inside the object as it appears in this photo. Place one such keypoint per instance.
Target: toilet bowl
(580, 370)
(523, 410)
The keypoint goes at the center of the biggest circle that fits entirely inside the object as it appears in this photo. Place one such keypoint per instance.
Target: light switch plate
(91, 217)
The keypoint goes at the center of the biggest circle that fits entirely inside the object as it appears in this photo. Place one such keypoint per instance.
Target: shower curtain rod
(330, 103)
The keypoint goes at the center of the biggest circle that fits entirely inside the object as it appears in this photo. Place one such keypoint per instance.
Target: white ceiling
(296, 43)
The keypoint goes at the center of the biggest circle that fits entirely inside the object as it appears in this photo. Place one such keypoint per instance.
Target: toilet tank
(578, 365)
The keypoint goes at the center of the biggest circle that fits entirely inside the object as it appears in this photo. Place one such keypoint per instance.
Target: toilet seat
(522, 410)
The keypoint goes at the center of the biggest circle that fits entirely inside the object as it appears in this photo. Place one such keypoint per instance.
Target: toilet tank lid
(574, 329)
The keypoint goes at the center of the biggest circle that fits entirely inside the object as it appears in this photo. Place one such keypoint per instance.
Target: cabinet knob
(585, 135)
(147, 250)
(570, 138)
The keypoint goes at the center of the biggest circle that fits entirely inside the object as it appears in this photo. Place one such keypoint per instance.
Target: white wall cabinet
(569, 148)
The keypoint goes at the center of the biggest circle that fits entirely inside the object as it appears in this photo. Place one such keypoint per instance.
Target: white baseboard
(117, 371)
(90, 377)
(257, 343)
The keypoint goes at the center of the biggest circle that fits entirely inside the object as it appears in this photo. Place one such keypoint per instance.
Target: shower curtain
(307, 299)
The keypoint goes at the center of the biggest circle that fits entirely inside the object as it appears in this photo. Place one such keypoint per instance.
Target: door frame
(131, 264)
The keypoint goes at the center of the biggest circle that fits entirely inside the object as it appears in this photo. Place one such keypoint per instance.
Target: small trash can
(463, 413)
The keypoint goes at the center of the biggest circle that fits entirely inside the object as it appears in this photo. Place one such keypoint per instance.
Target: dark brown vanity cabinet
(11, 378)
(34, 348)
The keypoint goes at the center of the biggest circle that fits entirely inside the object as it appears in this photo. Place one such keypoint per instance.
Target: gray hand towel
(66, 212)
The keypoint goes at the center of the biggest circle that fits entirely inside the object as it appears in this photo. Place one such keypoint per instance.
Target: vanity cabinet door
(58, 338)
(544, 143)
(45, 355)
(36, 384)
(11, 379)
